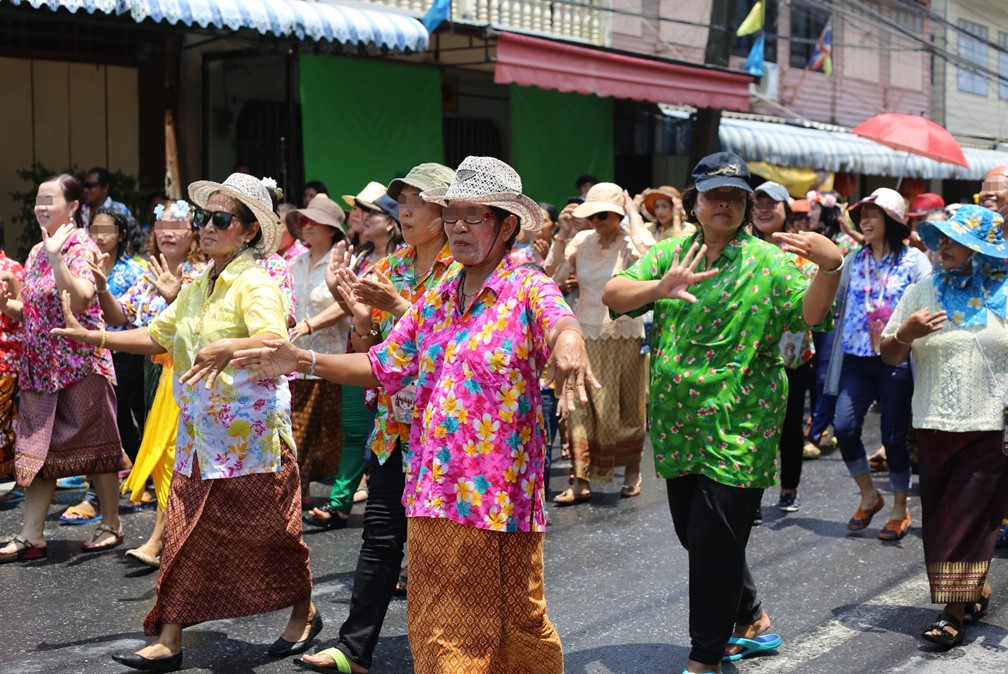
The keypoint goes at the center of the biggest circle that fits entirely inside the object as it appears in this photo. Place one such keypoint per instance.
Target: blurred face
(994, 194)
(800, 222)
(222, 244)
(105, 234)
(420, 221)
(605, 223)
(174, 237)
(94, 192)
(872, 225)
(768, 215)
(474, 233)
(355, 221)
(815, 213)
(308, 194)
(546, 233)
(51, 207)
(721, 210)
(953, 256)
(377, 228)
(317, 235)
(663, 211)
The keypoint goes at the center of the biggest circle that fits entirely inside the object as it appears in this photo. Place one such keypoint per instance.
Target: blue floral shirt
(124, 275)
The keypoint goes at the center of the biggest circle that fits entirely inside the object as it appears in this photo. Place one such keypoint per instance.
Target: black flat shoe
(172, 663)
(282, 648)
(336, 519)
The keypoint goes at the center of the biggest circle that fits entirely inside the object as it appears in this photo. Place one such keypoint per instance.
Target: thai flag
(822, 55)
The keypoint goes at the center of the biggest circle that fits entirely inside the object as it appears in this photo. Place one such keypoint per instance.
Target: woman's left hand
(277, 357)
(210, 361)
(568, 370)
(378, 292)
(73, 330)
(53, 245)
(814, 247)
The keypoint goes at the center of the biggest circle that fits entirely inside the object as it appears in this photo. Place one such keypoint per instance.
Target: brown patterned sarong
(8, 412)
(476, 601)
(70, 432)
(318, 429)
(609, 431)
(964, 495)
(232, 547)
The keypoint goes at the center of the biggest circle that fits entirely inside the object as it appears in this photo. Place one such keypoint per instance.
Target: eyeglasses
(601, 215)
(220, 220)
(470, 216)
(411, 202)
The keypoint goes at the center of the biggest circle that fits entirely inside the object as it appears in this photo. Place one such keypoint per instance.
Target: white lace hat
(489, 182)
(250, 191)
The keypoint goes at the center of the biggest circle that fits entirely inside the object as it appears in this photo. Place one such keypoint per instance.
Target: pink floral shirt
(476, 449)
(48, 363)
(10, 330)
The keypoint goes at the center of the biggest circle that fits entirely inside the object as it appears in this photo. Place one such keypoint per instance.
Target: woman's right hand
(98, 271)
(568, 223)
(341, 257)
(53, 244)
(277, 357)
(921, 323)
(166, 282)
(682, 274)
(361, 312)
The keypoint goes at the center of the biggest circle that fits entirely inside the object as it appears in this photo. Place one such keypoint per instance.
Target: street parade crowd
(428, 344)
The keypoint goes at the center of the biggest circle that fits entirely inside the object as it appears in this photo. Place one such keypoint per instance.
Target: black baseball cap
(721, 169)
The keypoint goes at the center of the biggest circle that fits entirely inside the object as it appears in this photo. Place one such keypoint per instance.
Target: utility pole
(719, 40)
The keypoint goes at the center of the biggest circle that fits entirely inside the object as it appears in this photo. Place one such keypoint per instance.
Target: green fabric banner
(365, 119)
(556, 137)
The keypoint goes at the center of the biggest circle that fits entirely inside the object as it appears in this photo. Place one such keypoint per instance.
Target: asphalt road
(616, 587)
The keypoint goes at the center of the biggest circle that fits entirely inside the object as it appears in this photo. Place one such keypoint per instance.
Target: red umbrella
(912, 134)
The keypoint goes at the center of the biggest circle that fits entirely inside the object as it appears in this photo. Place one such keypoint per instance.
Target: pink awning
(529, 61)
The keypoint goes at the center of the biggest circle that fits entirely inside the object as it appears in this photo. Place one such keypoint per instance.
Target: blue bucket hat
(975, 227)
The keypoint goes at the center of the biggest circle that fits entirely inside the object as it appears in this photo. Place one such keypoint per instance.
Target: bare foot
(157, 650)
(750, 631)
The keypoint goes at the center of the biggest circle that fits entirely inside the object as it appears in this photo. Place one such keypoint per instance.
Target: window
(742, 45)
(972, 38)
(806, 25)
(1003, 65)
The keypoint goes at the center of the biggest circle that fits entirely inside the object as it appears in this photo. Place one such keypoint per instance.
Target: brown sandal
(100, 531)
(568, 497)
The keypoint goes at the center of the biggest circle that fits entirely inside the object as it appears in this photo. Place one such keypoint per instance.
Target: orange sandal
(862, 518)
(895, 529)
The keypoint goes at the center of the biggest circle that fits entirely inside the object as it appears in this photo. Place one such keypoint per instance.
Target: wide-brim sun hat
(423, 177)
(324, 211)
(891, 202)
(489, 182)
(600, 198)
(250, 191)
(976, 227)
(371, 191)
(652, 195)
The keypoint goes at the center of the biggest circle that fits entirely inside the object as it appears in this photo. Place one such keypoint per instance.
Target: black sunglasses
(601, 215)
(219, 219)
(91, 186)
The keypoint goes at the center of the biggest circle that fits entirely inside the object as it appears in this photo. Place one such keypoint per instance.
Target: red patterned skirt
(318, 431)
(8, 411)
(70, 432)
(232, 547)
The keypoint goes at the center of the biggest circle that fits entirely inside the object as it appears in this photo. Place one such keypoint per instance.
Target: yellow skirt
(156, 456)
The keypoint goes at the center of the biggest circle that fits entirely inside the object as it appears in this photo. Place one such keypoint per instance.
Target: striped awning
(319, 20)
(794, 144)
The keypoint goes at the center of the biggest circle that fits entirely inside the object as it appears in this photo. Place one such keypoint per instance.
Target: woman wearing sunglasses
(607, 433)
(233, 544)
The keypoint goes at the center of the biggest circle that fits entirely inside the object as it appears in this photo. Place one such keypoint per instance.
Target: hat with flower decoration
(976, 227)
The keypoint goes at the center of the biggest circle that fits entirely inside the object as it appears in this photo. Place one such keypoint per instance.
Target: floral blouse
(874, 290)
(10, 330)
(718, 388)
(142, 303)
(476, 449)
(313, 296)
(398, 268)
(124, 275)
(48, 363)
(237, 426)
(797, 347)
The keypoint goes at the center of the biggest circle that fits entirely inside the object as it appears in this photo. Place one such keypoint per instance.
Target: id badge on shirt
(403, 403)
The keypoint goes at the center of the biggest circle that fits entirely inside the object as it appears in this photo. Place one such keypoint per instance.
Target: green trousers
(357, 424)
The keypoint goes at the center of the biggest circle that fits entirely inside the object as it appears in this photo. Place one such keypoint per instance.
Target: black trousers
(131, 412)
(792, 439)
(379, 561)
(713, 522)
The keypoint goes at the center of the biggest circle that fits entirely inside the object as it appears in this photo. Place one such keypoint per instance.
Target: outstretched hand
(277, 357)
(569, 370)
(168, 283)
(73, 330)
(341, 257)
(682, 274)
(812, 246)
(53, 244)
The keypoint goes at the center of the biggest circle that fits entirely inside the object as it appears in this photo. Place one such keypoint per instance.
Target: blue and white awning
(319, 20)
(835, 149)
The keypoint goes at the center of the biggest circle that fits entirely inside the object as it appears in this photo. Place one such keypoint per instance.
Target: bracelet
(101, 345)
(900, 341)
(101, 291)
(559, 239)
(314, 362)
(308, 325)
(373, 333)
(836, 271)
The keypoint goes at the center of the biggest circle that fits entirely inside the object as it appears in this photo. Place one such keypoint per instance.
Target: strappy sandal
(944, 638)
(100, 531)
(631, 490)
(975, 610)
(26, 553)
(77, 515)
(336, 519)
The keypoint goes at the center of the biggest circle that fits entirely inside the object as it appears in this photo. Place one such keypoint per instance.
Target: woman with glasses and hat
(232, 544)
(718, 389)
(66, 409)
(663, 205)
(322, 326)
(955, 327)
(608, 432)
(474, 346)
(873, 283)
(376, 303)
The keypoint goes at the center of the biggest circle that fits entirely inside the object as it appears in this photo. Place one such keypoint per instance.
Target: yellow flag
(753, 22)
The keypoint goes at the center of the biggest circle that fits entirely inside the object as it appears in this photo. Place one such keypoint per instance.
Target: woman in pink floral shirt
(66, 424)
(474, 346)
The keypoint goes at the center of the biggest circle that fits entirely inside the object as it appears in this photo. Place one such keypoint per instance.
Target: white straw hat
(489, 182)
(250, 191)
(371, 191)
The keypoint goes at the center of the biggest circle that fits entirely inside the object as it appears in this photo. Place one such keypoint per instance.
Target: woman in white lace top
(609, 431)
(954, 325)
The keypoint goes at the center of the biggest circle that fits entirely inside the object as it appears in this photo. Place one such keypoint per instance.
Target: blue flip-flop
(11, 498)
(759, 644)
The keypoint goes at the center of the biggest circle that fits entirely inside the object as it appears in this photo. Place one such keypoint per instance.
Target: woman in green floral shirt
(718, 387)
